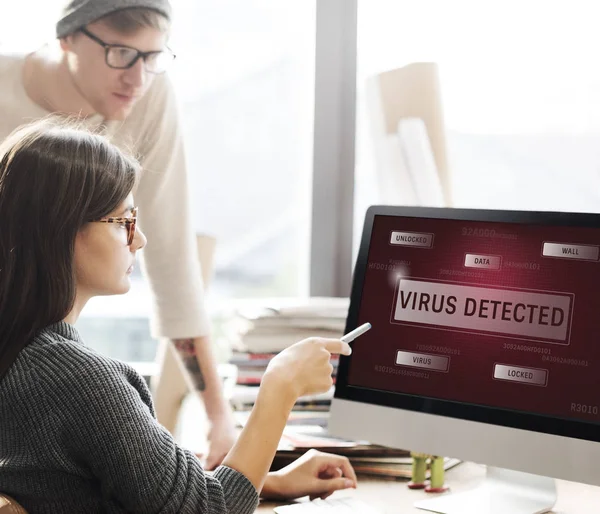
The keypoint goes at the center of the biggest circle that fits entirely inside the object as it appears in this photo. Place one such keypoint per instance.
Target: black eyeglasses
(124, 57)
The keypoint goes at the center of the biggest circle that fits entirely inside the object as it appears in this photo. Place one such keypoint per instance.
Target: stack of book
(251, 366)
(315, 405)
(264, 330)
(303, 433)
(366, 459)
(273, 326)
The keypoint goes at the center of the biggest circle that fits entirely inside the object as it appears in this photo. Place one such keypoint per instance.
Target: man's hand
(221, 438)
(315, 474)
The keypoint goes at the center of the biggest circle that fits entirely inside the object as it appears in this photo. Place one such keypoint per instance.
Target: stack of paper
(244, 397)
(272, 327)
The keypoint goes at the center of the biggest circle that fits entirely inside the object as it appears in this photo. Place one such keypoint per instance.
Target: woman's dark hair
(54, 178)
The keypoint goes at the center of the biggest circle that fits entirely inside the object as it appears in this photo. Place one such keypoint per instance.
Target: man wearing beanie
(108, 68)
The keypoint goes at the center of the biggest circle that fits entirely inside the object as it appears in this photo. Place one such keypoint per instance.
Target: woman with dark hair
(77, 429)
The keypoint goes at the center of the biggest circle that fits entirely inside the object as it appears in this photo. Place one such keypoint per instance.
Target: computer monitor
(485, 346)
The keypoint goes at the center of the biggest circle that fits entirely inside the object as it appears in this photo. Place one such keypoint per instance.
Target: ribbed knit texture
(78, 13)
(78, 435)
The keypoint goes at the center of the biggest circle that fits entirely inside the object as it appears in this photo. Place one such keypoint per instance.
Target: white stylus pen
(358, 331)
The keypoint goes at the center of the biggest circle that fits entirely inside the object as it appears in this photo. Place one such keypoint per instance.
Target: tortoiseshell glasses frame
(129, 222)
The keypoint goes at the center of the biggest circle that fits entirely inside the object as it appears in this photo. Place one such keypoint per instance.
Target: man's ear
(66, 43)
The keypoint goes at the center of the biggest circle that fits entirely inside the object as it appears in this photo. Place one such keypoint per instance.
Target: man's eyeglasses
(124, 57)
(129, 223)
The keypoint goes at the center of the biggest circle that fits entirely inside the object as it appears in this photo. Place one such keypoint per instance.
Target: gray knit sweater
(78, 434)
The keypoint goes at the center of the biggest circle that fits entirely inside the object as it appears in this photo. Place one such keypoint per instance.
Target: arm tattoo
(187, 352)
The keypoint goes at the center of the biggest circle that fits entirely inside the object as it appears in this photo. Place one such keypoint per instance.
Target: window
(520, 93)
(22, 32)
(245, 74)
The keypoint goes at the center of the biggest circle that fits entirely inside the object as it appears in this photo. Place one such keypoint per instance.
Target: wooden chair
(394, 100)
(9, 506)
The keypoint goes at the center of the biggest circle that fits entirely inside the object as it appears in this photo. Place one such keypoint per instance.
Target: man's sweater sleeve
(138, 464)
(170, 258)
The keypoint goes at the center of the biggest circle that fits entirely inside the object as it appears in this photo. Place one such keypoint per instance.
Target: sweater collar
(66, 330)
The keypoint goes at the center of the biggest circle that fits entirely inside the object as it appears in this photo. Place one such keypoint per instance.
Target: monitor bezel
(567, 427)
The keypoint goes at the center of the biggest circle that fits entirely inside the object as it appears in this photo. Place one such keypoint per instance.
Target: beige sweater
(152, 133)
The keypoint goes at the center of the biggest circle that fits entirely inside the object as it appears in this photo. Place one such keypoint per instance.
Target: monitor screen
(479, 315)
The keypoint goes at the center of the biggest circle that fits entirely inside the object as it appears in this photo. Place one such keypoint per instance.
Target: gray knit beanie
(78, 13)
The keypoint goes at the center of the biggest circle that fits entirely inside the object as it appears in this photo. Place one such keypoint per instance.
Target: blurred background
(518, 89)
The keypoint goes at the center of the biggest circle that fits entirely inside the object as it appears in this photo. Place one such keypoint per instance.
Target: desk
(393, 497)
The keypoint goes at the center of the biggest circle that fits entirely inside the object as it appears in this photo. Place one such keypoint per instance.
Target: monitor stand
(503, 491)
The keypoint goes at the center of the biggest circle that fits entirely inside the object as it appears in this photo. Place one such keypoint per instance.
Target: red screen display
(496, 314)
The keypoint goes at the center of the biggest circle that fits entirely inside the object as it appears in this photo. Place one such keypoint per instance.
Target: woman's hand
(305, 367)
(315, 474)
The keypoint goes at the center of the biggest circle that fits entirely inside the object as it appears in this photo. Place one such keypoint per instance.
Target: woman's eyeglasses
(129, 222)
(123, 57)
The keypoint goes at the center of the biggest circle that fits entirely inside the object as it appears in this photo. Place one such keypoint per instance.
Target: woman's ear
(80, 238)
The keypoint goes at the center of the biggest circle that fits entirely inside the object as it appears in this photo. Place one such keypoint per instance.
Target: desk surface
(392, 496)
